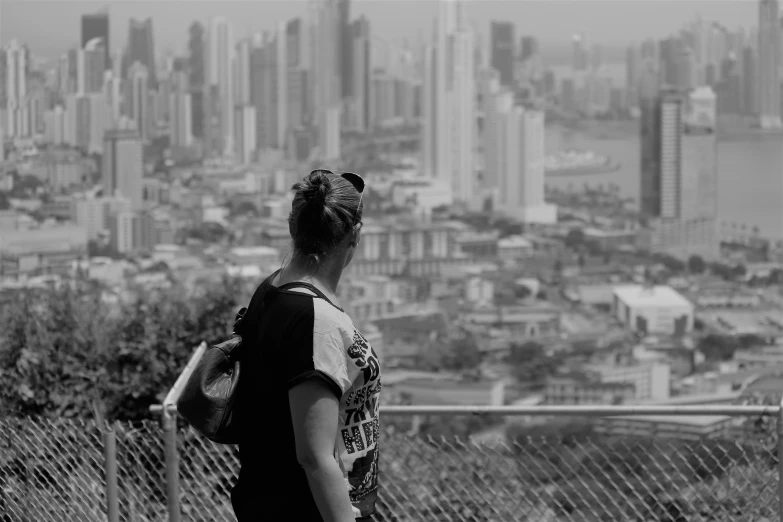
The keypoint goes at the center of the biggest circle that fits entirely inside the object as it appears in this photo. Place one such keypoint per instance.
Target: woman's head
(326, 213)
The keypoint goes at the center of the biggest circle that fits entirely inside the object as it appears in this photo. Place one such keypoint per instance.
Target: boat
(574, 162)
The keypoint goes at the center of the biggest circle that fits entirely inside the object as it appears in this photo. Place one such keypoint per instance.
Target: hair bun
(318, 187)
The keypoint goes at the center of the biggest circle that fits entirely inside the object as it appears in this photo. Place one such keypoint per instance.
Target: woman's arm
(315, 414)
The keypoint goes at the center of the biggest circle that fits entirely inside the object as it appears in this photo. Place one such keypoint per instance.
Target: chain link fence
(55, 470)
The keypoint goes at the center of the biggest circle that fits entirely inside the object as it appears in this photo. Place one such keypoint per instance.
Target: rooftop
(640, 296)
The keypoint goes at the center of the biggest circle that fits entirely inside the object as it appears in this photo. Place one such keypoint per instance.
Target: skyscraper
(579, 53)
(259, 91)
(449, 103)
(345, 56)
(361, 72)
(196, 77)
(180, 111)
(91, 66)
(769, 64)
(528, 47)
(325, 64)
(141, 47)
(281, 84)
(296, 89)
(242, 72)
(463, 117)
(221, 80)
(17, 111)
(138, 99)
(96, 25)
(679, 174)
(502, 53)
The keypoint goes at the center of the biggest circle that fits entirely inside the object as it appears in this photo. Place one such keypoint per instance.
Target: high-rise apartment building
(141, 48)
(520, 169)
(122, 167)
(502, 50)
(245, 132)
(769, 62)
(449, 103)
(96, 25)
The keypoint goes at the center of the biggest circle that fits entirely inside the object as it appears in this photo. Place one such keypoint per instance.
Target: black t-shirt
(300, 336)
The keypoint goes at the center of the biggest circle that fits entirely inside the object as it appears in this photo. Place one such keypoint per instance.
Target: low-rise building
(651, 379)
(584, 388)
(653, 309)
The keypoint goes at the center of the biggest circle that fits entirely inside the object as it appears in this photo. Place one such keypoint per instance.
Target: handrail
(572, 410)
(592, 411)
(173, 396)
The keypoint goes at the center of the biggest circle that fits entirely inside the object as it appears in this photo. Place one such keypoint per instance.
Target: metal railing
(64, 469)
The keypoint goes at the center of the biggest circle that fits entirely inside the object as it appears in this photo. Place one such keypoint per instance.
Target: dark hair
(325, 209)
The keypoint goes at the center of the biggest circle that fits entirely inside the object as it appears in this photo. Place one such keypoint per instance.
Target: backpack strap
(307, 286)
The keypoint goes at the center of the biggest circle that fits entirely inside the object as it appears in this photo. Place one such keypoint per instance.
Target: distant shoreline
(622, 129)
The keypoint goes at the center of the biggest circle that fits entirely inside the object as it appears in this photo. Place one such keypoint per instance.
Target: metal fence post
(110, 465)
(780, 461)
(172, 464)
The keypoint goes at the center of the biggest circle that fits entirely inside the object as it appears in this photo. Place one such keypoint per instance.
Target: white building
(245, 134)
(423, 193)
(449, 123)
(180, 111)
(652, 380)
(123, 167)
(520, 172)
(653, 310)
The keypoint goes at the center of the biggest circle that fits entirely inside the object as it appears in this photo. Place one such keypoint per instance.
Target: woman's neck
(328, 273)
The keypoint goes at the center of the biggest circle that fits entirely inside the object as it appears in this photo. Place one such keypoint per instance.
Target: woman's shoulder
(329, 318)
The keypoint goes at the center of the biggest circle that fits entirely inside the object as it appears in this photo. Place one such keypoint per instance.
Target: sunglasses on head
(354, 179)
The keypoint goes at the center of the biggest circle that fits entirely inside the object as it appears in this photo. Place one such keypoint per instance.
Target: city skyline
(20, 20)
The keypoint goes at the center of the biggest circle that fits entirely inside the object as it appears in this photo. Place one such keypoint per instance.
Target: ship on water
(574, 162)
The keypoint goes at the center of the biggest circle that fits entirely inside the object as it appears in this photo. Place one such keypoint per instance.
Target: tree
(575, 238)
(718, 347)
(457, 354)
(64, 351)
(530, 364)
(696, 264)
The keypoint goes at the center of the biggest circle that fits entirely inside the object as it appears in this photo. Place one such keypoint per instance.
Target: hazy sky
(49, 27)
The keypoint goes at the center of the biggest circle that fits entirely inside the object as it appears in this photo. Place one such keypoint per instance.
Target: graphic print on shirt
(361, 427)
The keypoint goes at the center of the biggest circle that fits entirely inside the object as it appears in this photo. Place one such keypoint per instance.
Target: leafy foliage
(66, 351)
(531, 365)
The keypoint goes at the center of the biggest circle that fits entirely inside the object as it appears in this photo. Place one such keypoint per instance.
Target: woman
(309, 398)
